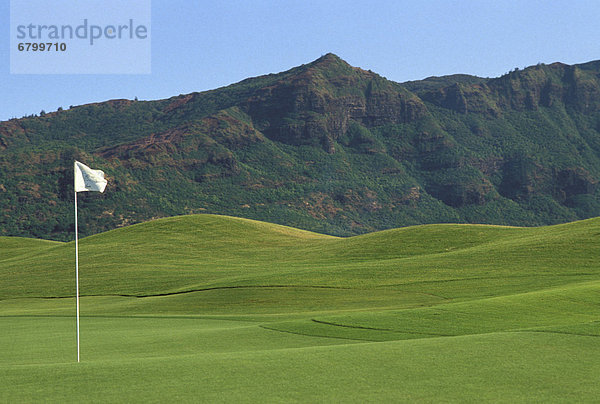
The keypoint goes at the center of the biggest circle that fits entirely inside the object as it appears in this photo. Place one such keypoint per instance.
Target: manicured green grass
(209, 308)
(150, 360)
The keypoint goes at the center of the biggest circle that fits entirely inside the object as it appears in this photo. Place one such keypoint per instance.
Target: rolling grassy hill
(216, 308)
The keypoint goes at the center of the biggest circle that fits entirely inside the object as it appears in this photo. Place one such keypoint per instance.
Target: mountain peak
(331, 61)
(329, 58)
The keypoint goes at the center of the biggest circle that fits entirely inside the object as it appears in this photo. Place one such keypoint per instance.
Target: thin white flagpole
(77, 273)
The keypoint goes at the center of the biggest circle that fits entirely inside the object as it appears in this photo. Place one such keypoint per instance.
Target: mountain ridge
(324, 146)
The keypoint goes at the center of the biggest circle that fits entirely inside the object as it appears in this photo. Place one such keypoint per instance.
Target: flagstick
(84, 179)
(77, 273)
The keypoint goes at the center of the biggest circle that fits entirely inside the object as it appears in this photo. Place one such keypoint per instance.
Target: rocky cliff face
(528, 89)
(316, 106)
(324, 146)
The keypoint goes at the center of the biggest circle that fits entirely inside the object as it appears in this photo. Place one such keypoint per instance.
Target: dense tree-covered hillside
(324, 146)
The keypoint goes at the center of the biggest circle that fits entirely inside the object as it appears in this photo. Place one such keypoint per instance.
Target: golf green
(218, 309)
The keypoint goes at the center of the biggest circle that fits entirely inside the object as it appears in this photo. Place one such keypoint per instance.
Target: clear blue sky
(201, 45)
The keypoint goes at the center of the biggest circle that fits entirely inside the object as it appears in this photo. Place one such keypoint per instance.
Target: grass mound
(420, 313)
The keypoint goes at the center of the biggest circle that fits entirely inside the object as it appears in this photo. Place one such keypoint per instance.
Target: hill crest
(202, 252)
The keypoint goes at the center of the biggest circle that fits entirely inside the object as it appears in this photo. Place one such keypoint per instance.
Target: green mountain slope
(325, 147)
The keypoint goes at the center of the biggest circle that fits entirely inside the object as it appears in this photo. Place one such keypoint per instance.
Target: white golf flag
(87, 179)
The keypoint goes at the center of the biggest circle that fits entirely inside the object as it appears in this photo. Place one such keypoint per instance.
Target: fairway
(211, 308)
